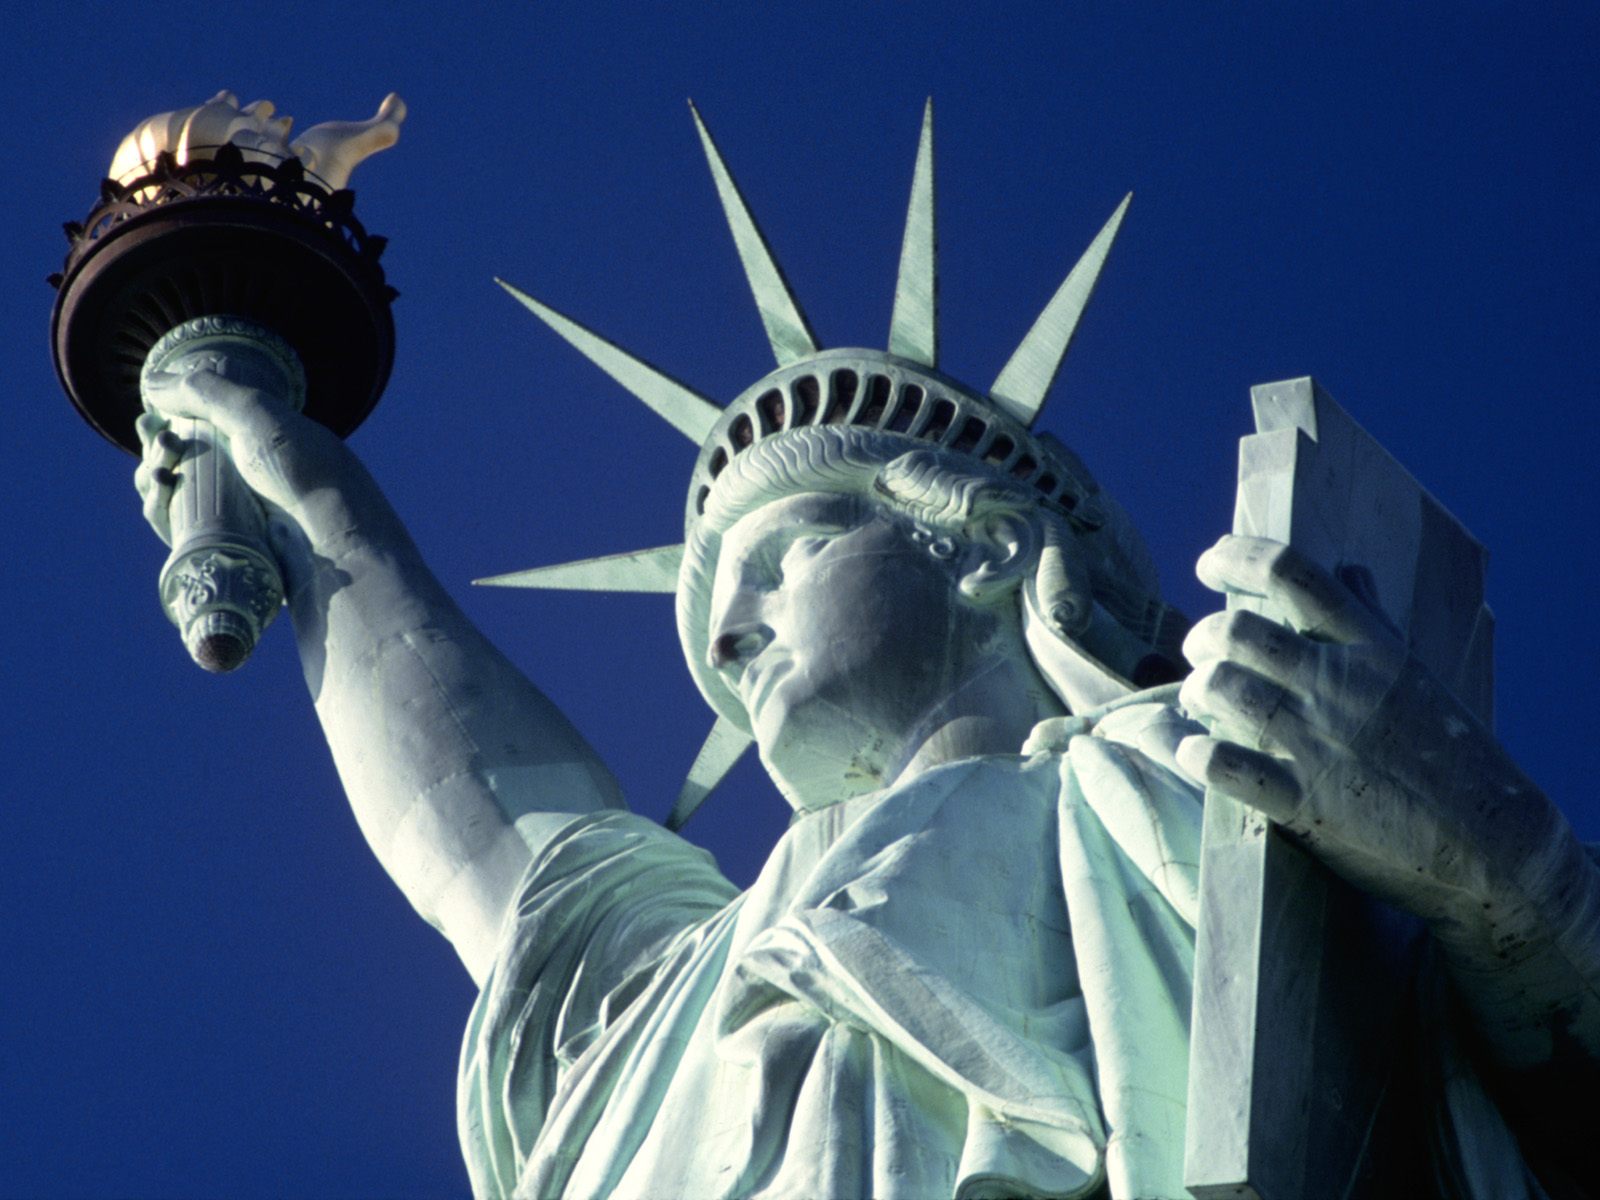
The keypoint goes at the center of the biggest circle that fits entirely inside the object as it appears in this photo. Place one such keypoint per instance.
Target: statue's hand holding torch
(222, 585)
(223, 282)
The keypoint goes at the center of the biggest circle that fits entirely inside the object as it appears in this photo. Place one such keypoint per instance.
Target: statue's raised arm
(455, 765)
(447, 753)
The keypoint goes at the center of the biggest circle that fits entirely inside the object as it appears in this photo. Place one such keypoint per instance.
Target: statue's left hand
(1328, 726)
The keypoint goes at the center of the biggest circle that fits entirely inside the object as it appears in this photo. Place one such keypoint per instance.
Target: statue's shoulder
(1145, 720)
(1121, 786)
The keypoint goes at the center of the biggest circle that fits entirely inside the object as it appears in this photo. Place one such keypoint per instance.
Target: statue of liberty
(966, 969)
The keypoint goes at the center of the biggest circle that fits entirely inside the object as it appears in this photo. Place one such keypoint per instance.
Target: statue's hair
(934, 487)
(945, 495)
(841, 459)
(940, 489)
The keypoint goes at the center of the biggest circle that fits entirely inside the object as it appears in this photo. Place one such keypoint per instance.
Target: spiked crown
(899, 394)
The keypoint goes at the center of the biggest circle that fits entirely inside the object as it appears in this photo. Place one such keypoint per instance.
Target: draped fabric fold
(972, 985)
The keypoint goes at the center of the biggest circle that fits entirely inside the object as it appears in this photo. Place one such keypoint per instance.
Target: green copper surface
(914, 327)
(723, 747)
(687, 411)
(787, 327)
(653, 570)
(1023, 382)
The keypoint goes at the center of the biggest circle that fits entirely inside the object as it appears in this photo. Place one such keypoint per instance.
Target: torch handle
(221, 585)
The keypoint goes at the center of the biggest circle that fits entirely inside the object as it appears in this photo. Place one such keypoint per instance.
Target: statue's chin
(822, 756)
(822, 787)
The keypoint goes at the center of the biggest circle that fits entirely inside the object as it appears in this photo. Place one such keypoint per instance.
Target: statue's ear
(1001, 551)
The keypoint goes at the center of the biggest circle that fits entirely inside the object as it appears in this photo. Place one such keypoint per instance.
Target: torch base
(254, 240)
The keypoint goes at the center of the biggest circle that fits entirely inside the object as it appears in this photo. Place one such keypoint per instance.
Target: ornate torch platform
(234, 252)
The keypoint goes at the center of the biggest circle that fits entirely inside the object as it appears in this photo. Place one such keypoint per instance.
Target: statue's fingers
(1247, 708)
(151, 453)
(148, 425)
(164, 451)
(1311, 599)
(1265, 646)
(155, 485)
(204, 393)
(1265, 783)
(168, 395)
(160, 381)
(154, 478)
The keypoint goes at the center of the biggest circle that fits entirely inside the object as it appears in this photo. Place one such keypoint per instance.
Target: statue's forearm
(1461, 837)
(454, 763)
(1530, 975)
(1522, 941)
(1530, 990)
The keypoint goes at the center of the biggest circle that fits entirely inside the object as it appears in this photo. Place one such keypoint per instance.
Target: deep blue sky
(207, 985)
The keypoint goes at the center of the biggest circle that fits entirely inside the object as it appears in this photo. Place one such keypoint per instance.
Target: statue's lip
(758, 680)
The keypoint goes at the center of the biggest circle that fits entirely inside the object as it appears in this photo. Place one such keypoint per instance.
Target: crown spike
(686, 410)
(723, 747)
(787, 327)
(634, 571)
(914, 327)
(1021, 385)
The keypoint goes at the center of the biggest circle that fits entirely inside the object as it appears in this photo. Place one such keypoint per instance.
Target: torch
(218, 243)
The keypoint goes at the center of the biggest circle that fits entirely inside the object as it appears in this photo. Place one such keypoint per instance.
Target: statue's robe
(974, 984)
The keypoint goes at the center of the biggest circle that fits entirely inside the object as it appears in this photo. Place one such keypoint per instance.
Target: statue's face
(840, 635)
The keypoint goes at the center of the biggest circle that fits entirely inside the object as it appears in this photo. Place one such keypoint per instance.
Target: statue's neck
(992, 712)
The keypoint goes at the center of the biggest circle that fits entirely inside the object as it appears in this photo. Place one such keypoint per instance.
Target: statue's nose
(737, 646)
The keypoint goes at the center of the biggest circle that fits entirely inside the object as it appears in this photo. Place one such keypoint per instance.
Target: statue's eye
(802, 549)
(780, 556)
(765, 567)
